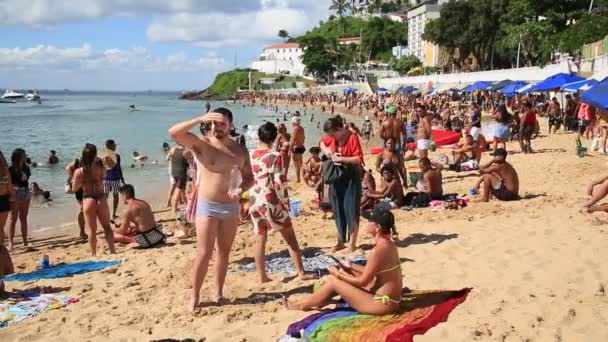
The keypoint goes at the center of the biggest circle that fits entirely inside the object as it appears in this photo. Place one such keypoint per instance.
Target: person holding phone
(373, 289)
(345, 191)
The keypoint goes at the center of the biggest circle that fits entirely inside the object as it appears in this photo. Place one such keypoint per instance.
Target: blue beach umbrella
(350, 90)
(580, 85)
(510, 89)
(408, 89)
(479, 85)
(383, 90)
(554, 82)
(597, 96)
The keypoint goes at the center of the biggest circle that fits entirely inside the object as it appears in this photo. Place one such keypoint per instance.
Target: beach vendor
(373, 289)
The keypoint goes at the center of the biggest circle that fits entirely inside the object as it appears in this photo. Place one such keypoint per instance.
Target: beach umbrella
(525, 88)
(408, 89)
(498, 85)
(350, 90)
(579, 85)
(597, 96)
(479, 85)
(510, 89)
(383, 90)
(554, 82)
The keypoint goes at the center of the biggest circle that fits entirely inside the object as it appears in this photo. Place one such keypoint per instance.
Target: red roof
(283, 46)
(349, 39)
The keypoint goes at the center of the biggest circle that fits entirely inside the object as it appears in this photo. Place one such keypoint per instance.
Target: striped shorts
(111, 186)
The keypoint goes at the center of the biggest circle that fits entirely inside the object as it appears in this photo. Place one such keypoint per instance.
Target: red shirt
(530, 119)
(352, 147)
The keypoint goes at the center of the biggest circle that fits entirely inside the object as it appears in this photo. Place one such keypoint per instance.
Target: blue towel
(62, 270)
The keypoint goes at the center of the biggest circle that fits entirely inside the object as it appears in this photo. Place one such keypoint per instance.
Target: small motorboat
(10, 94)
(32, 95)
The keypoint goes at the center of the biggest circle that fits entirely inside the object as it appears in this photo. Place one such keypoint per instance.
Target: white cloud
(48, 12)
(85, 58)
(206, 23)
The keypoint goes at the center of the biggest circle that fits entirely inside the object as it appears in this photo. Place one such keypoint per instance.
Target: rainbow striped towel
(421, 310)
(19, 307)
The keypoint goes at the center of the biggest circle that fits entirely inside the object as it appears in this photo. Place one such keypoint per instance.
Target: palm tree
(340, 7)
(283, 34)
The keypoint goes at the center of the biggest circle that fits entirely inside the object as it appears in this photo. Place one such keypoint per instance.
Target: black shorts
(5, 203)
(78, 194)
(298, 150)
(180, 182)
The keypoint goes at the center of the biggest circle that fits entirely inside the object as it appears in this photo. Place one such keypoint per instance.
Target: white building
(417, 17)
(281, 59)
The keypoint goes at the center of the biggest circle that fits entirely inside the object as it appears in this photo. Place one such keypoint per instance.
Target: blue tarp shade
(479, 85)
(350, 90)
(597, 96)
(554, 82)
(576, 86)
(408, 89)
(510, 89)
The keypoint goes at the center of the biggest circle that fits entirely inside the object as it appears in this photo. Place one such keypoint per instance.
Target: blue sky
(139, 44)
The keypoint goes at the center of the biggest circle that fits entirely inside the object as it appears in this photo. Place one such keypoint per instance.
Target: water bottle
(473, 192)
(44, 263)
(234, 187)
(294, 208)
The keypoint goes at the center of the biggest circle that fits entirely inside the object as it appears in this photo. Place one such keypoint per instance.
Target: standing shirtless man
(423, 133)
(392, 128)
(217, 211)
(297, 145)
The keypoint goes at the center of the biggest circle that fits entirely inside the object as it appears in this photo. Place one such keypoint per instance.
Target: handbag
(332, 173)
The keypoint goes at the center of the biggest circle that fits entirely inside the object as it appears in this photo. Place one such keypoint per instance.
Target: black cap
(381, 214)
(500, 152)
(110, 142)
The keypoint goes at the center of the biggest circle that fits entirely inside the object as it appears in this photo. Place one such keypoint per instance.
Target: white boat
(10, 94)
(32, 95)
(7, 101)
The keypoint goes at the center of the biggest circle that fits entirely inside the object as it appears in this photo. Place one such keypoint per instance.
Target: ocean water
(65, 121)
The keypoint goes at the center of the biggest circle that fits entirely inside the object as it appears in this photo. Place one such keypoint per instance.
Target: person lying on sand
(312, 168)
(138, 223)
(499, 179)
(373, 289)
(469, 150)
(598, 189)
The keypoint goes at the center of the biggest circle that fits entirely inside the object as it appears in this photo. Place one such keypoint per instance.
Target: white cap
(366, 118)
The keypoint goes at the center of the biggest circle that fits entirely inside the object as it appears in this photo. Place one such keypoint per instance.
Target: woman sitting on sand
(373, 289)
(89, 177)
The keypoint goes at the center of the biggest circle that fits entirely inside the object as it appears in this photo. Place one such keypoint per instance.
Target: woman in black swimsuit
(89, 178)
(20, 176)
(7, 194)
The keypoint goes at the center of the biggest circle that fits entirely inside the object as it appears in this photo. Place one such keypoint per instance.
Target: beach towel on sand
(21, 306)
(316, 263)
(62, 270)
(421, 310)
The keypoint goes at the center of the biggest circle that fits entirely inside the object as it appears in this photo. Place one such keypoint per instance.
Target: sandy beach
(534, 265)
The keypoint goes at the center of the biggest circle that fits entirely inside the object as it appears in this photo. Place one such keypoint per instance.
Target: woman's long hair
(3, 165)
(18, 156)
(89, 155)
